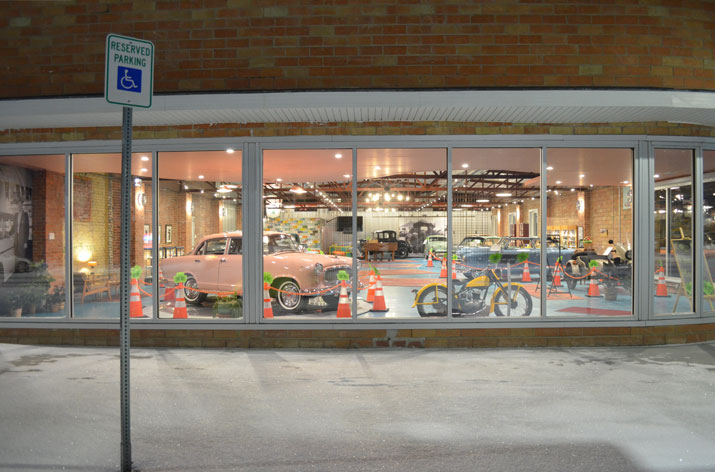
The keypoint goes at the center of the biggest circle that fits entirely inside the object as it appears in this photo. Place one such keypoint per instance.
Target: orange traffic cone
(526, 275)
(443, 272)
(267, 307)
(343, 303)
(454, 269)
(180, 304)
(169, 294)
(593, 289)
(661, 290)
(371, 289)
(557, 277)
(429, 259)
(379, 304)
(135, 301)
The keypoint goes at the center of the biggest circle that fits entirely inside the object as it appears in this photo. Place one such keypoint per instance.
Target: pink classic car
(216, 264)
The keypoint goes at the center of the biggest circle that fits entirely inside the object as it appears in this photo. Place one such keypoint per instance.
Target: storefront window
(709, 229)
(673, 276)
(402, 200)
(32, 236)
(96, 230)
(495, 220)
(200, 235)
(589, 232)
(307, 232)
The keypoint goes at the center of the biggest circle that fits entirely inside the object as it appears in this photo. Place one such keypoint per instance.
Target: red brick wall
(57, 48)
(606, 212)
(48, 216)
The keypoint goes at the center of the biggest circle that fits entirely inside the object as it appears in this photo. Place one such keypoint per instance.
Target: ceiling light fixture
(145, 158)
(503, 195)
(465, 165)
(201, 176)
(338, 156)
(549, 168)
(296, 189)
(483, 201)
(230, 151)
(558, 182)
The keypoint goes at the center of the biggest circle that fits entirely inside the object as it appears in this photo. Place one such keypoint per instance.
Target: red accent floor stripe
(584, 310)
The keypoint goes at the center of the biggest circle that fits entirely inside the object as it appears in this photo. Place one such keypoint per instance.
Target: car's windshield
(472, 242)
(279, 243)
(437, 238)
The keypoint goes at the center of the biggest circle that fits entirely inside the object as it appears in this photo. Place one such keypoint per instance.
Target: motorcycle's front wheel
(521, 303)
(433, 302)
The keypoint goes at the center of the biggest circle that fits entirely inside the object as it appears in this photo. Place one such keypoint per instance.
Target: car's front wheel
(288, 298)
(402, 252)
(191, 293)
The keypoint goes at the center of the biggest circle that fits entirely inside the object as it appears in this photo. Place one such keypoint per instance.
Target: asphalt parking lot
(598, 409)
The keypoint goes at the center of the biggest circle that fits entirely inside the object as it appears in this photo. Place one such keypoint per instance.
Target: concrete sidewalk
(598, 409)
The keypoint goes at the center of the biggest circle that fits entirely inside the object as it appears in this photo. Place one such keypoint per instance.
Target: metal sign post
(128, 81)
(126, 443)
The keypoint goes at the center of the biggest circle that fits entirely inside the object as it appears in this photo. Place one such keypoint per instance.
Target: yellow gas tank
(481, 281)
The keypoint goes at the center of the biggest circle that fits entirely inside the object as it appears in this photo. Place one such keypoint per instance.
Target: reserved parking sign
(129, 75)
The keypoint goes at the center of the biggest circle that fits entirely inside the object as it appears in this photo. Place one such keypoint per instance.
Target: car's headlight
(318, 269)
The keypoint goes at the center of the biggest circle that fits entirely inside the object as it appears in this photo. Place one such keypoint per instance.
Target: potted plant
(38, 286)
(56, 299)
(15, 299)
(230, 306)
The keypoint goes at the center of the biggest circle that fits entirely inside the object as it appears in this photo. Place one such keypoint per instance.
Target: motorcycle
(479, 293)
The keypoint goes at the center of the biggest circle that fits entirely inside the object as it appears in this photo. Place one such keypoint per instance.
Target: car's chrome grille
(331, 275)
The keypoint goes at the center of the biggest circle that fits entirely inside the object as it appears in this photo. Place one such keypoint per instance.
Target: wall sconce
(141, 200)
(189, 207)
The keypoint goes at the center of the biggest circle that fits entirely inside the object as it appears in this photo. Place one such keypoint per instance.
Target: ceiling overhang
(504, 106)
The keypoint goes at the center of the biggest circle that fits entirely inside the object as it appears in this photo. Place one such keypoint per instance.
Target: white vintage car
(215, 264)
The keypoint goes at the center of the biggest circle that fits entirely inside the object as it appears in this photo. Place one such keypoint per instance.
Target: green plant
(229, 305)
(56, 296)
(38, 284)
(495, 258)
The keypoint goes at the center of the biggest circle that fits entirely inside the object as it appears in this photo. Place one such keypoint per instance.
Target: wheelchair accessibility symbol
(129, 80)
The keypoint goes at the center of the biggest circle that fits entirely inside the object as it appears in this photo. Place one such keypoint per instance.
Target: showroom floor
(623, 409)
(400, 280)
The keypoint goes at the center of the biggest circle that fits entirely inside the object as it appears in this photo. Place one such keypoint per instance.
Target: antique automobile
(216, 265)
(436, 244)
(613, 267)
(477, 257)
(384, 241)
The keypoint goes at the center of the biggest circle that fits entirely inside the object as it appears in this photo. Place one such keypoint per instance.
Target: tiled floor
(400, 280)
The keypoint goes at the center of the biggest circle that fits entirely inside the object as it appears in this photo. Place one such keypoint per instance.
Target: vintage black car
(387, 236)
(510, 248)
(612, 268)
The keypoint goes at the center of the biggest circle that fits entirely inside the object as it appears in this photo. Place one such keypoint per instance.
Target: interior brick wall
(228, 45)
(48, 217)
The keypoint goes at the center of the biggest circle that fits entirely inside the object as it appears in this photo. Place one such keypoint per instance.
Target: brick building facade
(240, 49)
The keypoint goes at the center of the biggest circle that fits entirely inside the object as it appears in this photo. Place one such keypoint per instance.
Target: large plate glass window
(402, 202)
(495, 231)
(709, 229)
(673, 278)
(32, 236)
(96, 230)
(589, 232)
(199, 230)
(307, 232)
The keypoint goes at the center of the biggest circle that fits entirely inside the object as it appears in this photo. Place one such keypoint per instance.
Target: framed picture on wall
(168, 234)
(146, 229)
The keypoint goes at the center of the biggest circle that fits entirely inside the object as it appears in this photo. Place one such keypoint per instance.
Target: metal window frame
(252, 172)
(696, 229)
